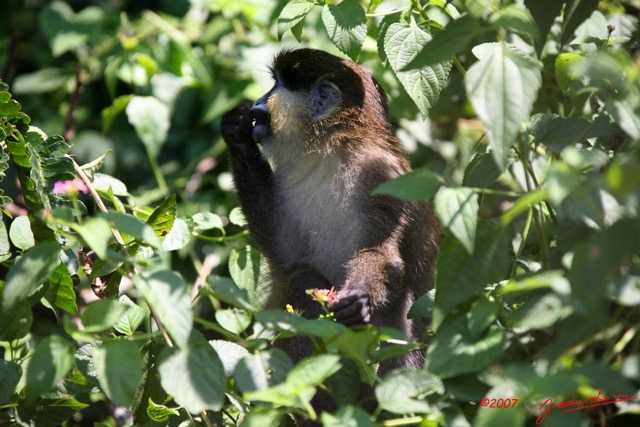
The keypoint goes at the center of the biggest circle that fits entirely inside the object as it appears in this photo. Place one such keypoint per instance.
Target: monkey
(305, 159)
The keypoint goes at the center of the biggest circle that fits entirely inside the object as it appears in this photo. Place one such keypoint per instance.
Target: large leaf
(461, 276)
(262, 370)
(544, 12)
(52, 359)
(346, 25)
(447, 43)
(402, 391)
(61, 293)
(150, 118)
(455, 351)
(101, 315)
(194, 376)
(96, 233)
(118, 366)
(401, 44)
(292, 14)
(576, 12)
(10, 373)
(457, 208)
(168, 296)
(28, 273)
(162, 218)
(502, 87)
(250, 271)
(420, 184)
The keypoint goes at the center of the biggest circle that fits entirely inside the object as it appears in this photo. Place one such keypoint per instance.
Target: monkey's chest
(321, 226)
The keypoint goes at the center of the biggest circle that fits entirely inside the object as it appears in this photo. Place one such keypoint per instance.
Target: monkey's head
(316, 95)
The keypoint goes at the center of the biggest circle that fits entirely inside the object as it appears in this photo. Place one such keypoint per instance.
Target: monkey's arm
(252, 175)
(371, 274)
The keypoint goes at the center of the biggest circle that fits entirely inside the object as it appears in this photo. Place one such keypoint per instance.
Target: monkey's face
(284, 113)
(313, 92)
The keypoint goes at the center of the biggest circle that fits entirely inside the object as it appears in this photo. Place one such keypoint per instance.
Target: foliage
(139, 303)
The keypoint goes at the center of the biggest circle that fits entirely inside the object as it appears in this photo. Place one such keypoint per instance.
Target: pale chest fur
(320, 206)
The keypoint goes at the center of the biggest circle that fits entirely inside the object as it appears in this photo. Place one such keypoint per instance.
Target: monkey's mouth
(261, 123)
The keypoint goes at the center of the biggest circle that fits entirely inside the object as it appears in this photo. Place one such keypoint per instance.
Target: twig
(70, 120)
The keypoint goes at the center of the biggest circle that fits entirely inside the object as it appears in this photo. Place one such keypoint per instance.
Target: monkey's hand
(236, 131)
(354, 308)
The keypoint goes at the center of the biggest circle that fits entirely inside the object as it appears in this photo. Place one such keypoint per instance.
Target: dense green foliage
(129, 291)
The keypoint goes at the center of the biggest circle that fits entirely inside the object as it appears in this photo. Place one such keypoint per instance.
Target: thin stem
(525, 234)
(459, 66)
(402, 421)
(392, 12)
(157, 172)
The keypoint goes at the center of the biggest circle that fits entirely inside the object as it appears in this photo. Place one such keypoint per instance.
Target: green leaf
(293, 14)
(424, 84)
(28, 273)
(162, 218)
(557, 132)
(10, 374)
(575, 13)
(5, 246)
(132, 226)
(544, 14)
(281, 321)
(16, 323)
(236, 216)
(461, 276)
(423, 306)
(346, 25)
(261, 416)
(403, 391)
(206, 221)
(347, 416)
(502, 87)
(21, 234)
(457, 208)
(483, 312)
(101, 315)
(118, 366)
(517, 18)
(160, 413)
(106, 183)
(151, 119)
(447, 43)
(132, 317)
(249, 269)
(42, 81)
(96, 233)
(420, 184)
(481, 172)
(471, 354)
(168, 296)
(234, 320)
(312, 371)
(230, 355)
(262, 370)
(539, 312)
(194, 376)
(226, 290)
(178, 237)
(61, 293)
(52, 359)
(109, 113)
(595, 262)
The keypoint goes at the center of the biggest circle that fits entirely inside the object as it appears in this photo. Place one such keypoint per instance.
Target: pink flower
(328, 296)
(70, 188)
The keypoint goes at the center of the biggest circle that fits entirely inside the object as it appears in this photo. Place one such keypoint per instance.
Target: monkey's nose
(259, 116)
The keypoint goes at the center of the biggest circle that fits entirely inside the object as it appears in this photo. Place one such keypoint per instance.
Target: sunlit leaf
(502, 87)
(346, 25)
(118, 366)
(51, 361)
(457, 208)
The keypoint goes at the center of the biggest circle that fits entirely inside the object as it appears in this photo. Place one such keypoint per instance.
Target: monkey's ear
(325, 97)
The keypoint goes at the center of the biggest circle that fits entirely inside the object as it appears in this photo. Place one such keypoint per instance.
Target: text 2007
(499, 403)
